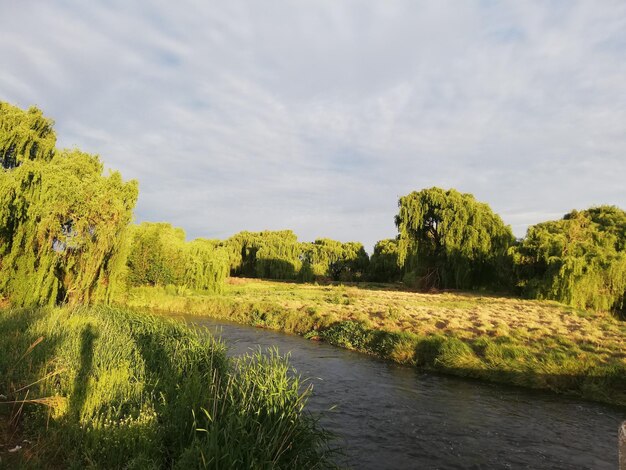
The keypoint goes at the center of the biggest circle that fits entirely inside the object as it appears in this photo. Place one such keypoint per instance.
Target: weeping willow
(579, 260)
(62, 223)
(267, 254)
(207, 266)
(449, 240)
(160, 255)
(384, 262)
(336, 260)
(24, 135)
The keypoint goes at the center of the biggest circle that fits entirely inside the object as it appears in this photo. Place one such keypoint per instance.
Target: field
(535, 344)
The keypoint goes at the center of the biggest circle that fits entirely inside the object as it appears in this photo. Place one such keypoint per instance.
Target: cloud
(317, 116)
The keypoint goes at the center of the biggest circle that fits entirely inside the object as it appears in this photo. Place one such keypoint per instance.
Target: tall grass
(109, 388)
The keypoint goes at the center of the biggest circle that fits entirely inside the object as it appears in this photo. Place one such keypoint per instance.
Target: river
(389, 416)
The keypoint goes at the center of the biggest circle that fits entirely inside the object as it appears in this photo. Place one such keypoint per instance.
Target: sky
(317, 116)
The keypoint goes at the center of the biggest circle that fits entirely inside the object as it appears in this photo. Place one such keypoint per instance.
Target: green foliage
(159, 255)
(62, 222)
(449, 240)
(279, 255)
(156, 255)
(578, 260)
(384, 265)
(24, 135)
(109, 388)
(267, 254)
(336, 260)
(62, 232)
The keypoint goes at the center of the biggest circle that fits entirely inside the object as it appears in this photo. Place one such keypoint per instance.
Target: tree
(447, 239)
(384, 262)
(578, 260)
(63, 227)
(160, 256)
(157, 255)
(24, 135)
(339, 261)
(267, 254)
(62, 223)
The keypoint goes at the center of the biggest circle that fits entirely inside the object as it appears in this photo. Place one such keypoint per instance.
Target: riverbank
(542, 345)
(110, 388)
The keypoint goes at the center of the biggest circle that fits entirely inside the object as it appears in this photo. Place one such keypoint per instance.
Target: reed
(109, 388)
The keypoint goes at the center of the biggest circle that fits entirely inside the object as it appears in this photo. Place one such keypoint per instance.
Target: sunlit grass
(109, 388)
(537, 344)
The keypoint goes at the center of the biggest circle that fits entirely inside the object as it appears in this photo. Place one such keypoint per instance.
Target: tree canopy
(447, 239)
(384, 265)
(24, 135)
(578, 260)
(62, 222)
(160, 255)
(62, 230)
(326, 258)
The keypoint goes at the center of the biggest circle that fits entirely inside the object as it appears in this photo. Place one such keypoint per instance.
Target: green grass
(534, 344)
(109, 388)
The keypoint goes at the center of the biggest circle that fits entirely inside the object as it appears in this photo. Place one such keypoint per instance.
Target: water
(391, 416)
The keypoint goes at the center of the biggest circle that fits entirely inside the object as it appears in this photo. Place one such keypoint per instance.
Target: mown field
(530, 343)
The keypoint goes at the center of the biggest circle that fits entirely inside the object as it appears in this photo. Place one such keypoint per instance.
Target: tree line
(66, 237)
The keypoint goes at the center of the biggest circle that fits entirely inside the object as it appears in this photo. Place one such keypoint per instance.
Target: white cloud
(316, 116)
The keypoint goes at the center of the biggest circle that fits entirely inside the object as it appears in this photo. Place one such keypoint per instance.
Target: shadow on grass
(81, 381)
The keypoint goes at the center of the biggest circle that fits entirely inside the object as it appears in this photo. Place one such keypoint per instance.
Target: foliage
(24, 135)
(206, 265)
(62, 230)
(109, 388)
(159, 255)
(449, 240)
(336, 260)
(384, 262)
(267, 254)
(62, 222)
(279, 255)
(579, 260)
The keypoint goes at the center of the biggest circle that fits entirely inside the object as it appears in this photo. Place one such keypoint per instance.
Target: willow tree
(207, 266)
(157, 254)
(448, 239)
(63, 227)
(24, 135)
(579, 260)
(384, 262)
(160, 255)
(267, 254)
(333, 259)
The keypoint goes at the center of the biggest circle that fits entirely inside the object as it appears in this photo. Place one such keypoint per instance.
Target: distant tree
(578, 260)
(160, 256)
(207, 265)
(384, 265)
(267, 254)
(157, 254)
(447, 239)
(336, 260)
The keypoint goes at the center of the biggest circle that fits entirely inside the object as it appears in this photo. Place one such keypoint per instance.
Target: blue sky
(318, 115)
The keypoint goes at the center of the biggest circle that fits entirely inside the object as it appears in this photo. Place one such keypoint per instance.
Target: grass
(109, 388)
(535, 344)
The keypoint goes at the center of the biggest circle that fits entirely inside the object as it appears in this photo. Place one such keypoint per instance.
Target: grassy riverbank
(534, 344)
(109, 388)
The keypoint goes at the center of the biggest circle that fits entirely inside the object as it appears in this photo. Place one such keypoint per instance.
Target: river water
(394, 417)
